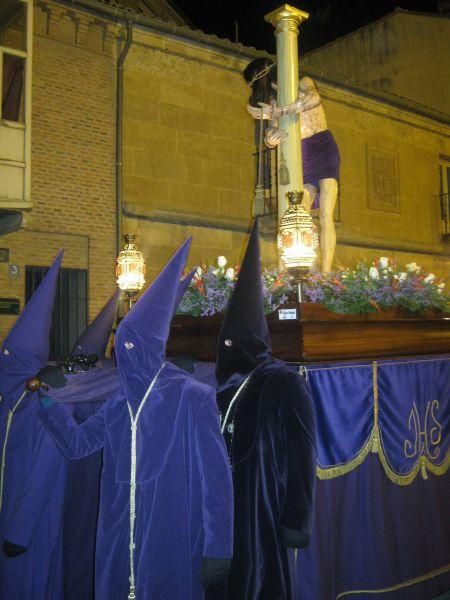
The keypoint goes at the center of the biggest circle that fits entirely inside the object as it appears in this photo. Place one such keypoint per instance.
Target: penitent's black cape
(270, 435)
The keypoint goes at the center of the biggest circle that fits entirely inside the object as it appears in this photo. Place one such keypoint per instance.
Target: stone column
(286, 21)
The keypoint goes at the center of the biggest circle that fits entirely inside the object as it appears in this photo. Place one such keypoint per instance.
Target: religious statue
(320, 154)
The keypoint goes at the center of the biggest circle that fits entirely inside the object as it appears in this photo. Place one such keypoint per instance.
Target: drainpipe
(119, 133)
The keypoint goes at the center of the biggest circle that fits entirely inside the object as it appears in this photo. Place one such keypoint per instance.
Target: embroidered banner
(398, 409)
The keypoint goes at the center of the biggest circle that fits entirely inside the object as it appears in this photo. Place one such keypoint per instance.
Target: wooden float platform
(314, 333)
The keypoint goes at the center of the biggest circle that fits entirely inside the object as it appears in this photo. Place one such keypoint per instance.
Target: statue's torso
(312, 121)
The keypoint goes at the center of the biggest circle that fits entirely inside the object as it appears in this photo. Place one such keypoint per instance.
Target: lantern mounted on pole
(297, 239)
(130, 269)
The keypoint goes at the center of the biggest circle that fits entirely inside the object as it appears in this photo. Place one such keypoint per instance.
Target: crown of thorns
(260, 74)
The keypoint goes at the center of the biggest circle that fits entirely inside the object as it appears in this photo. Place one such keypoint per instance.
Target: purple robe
(183, 499)
(33, 490)
(81, 500)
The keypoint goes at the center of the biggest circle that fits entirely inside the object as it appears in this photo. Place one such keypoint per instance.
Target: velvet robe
(184, 496)
(273, 457)
(83, 396)
(33, 489)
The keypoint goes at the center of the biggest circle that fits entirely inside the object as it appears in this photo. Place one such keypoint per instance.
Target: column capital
(286, 16)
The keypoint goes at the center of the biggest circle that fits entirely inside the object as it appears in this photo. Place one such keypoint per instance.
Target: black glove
(52, 377)
(11, 550)
(295, 539)
(214, 570)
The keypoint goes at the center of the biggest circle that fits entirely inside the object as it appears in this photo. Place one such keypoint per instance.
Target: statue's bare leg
(309, 197)
(328, 197)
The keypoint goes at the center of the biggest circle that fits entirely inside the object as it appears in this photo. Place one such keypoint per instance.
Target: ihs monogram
(427, 435)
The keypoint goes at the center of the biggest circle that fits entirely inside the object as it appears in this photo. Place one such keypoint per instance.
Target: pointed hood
(141, 337)
(26, 347)
(94, 339)
(244, 340)
(183, 286)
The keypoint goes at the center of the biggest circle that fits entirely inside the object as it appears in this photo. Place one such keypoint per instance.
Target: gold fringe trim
(338, 470)
(399, 586)
(374, 444)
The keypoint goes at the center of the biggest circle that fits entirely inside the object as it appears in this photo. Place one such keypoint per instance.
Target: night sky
(328, 19)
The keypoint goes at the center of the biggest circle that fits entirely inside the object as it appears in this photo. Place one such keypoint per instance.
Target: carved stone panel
(382, 176)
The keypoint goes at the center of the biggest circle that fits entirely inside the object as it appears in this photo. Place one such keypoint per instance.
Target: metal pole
(286, 21)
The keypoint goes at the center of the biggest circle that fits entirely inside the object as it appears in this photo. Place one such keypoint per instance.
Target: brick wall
(72, 160)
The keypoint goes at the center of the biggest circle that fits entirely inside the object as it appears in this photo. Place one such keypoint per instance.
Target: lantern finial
(297, 239)
(130, 268)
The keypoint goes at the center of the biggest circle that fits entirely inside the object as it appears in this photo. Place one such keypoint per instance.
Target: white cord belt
(134, 422)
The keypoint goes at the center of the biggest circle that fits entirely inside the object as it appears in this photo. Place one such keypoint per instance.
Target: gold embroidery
(398, 586)
(438, 429)
(426, 435)
(424, 446)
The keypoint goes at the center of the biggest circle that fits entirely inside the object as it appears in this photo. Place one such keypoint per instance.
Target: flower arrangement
(377, 286)
(212, 285)
(365, 288)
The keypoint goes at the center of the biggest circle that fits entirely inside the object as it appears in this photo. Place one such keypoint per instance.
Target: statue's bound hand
(265, 111)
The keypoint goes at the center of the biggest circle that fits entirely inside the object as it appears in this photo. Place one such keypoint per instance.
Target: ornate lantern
(130, 268)
(297, 239)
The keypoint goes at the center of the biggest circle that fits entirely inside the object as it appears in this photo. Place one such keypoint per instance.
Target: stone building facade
(185, 153)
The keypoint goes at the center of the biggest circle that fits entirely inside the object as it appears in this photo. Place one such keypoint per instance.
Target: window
(12, 88)
(13, 54)
(70, 309)
(444, 199)
(16, 31)
(266, 177)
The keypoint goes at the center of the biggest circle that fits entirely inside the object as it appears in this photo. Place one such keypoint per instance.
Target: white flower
(221, 262)
(440, 288)
(402, 276)
(199, 272)
(429, 278)
(412, 267)
(373, 273)
(229, 274)
(384, 262)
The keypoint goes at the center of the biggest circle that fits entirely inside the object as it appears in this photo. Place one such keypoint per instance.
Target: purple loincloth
(320, 158)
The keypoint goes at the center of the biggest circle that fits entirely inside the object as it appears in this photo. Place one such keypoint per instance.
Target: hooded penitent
(81, 499)
(161, 433)
(83, 477)
(26, 347)
(32, 474)
(95, 337)
(244, 339)
(269, 426)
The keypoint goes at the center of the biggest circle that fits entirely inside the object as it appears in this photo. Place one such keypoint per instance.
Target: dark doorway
(70, 309)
